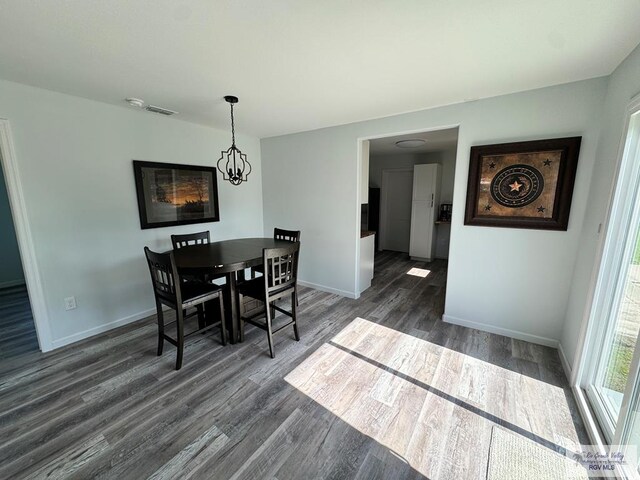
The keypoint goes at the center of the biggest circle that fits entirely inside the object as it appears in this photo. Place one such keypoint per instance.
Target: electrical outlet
(70, 303)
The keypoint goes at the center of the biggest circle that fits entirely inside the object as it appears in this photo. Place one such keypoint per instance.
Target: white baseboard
(324, 288)
(12, 283)
(565, 364)
(549, 342)
(76, 337)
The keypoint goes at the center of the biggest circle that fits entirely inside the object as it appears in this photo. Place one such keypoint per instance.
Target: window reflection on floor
(419, 272)
(426, 402)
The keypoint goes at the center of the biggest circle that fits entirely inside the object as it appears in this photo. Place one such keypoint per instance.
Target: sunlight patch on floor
(422, 400)
(419, 272)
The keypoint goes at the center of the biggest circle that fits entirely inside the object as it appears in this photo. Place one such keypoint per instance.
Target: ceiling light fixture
(413, 143)
(135, 102)
(233, 164)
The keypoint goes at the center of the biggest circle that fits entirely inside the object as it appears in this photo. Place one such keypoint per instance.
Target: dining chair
(179, 296)
(278, 234)
(281, 265)
(287, 236)
(187, 239)
(190, 239)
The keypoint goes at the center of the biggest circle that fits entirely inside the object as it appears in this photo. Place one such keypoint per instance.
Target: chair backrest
(198, 238)
(280, 267)
(164, 276)
(287, 235)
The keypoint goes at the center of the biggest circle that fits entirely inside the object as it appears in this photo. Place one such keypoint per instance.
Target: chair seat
(202, 278)
(194, 293)
(194, 278)
(252, 288)
(255, 289)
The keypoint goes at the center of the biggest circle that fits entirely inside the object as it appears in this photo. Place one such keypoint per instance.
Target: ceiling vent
(160, 110)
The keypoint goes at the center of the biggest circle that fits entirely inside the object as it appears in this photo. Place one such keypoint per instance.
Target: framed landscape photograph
(522, 184)
(173, 194)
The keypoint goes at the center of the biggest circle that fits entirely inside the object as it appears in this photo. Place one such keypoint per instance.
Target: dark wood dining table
(228, 257)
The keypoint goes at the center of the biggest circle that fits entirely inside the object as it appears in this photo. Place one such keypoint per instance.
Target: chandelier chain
(233, 129)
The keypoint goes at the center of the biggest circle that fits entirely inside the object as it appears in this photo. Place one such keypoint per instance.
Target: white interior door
(395, 209)
(425, 182)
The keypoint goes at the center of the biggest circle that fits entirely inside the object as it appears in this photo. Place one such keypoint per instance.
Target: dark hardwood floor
(17, 331)
(377, 387)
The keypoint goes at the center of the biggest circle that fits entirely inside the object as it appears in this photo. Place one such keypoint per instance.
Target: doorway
(33, 296)
(392, 161)
(17, 328)
(390, 211)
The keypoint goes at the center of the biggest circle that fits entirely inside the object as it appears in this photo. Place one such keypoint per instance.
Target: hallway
(17, 331)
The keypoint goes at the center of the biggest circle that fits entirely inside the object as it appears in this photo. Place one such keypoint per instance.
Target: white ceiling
(435, 141)
(301, 64)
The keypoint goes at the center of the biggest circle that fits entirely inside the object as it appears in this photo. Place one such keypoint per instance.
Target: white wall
(10, 266)
(513, 281)
(446, 158)
(624, 84)
(74, 157)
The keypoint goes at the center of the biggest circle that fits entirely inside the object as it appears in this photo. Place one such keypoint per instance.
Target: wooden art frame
(173, 194)
(522, 184)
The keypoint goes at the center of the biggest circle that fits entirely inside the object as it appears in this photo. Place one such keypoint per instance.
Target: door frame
(358, 168)
(9, 165)
(383, 203)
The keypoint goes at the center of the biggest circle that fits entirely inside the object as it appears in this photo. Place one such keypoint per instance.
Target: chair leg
(201, 319)
(180, 339)
(160, 315)
(294, 313)
(241, 313)
(223, 329)
(269, 330)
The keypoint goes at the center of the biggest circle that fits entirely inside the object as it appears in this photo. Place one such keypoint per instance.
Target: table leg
(233, 306)
(241, 275)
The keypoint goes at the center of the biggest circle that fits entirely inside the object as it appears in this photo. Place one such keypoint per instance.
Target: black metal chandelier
(233, 164)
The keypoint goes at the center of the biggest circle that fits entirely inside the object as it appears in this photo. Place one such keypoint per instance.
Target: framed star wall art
(522, 184)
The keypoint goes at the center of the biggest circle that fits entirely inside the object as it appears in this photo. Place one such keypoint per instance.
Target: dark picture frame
(522, 184)
(172, 194)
